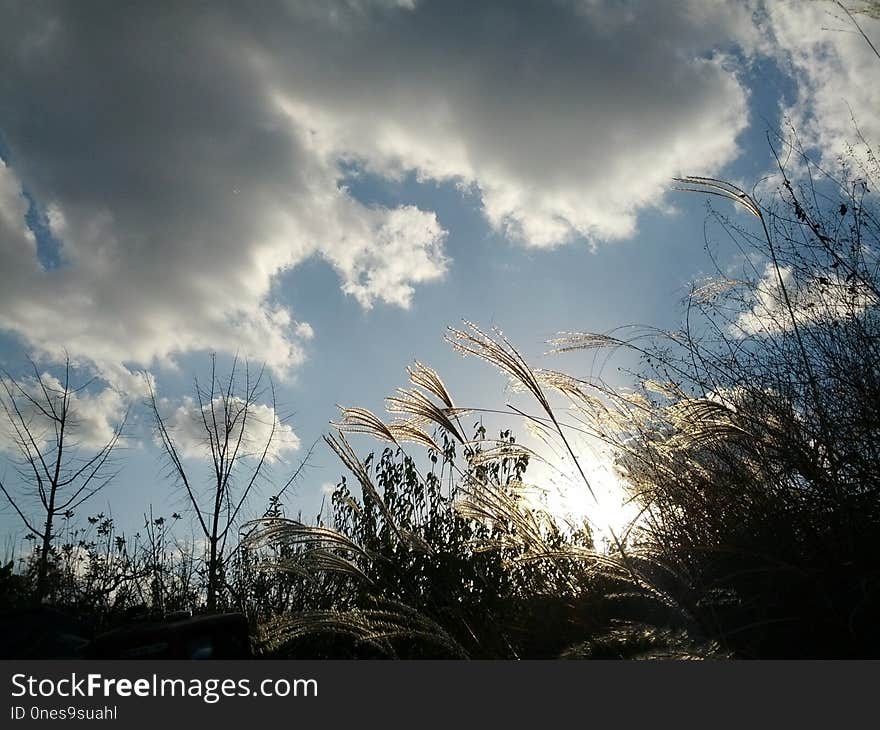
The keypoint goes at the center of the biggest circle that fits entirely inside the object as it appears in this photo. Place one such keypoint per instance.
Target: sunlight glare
(566, 498)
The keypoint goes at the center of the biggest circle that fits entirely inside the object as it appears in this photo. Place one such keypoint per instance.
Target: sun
(562, 493)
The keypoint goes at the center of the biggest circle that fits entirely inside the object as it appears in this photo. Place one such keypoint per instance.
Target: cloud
(819, 298)
(18, 243)
(402, 249)
(186, 425)
(94, 414)
(565, 118)
(185, 158)
(835, 71)
(179, 192)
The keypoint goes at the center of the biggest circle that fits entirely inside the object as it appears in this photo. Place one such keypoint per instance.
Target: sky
(324, 186)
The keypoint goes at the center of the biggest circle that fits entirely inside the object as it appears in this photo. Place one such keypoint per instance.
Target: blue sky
(324, 187)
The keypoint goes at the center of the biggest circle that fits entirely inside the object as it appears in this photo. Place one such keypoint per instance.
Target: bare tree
(228, 415)
(51, 467)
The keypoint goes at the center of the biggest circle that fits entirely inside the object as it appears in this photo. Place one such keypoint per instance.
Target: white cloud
(565, 118)
(304, 331)
(179, 193)
(93, 414)
(188, 158)
(820, 298)
(385, 262)
(835, 71)
(186, 424)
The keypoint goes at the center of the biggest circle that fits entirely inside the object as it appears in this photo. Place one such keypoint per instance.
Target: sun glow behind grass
(560, 491)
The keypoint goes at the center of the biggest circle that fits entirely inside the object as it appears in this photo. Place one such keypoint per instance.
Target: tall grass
(751, 443)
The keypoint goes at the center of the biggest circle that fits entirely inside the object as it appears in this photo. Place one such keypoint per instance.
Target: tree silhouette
(51, 468)
(227, 413)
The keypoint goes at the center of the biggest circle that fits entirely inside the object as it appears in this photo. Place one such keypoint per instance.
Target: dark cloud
(186, 154)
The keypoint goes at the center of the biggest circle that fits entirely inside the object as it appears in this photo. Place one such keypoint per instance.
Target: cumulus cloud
(566, 118)
(254, 428)
(94, 415)
(178, 191)
(835, 71)
(819, 298)
(186, 157)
